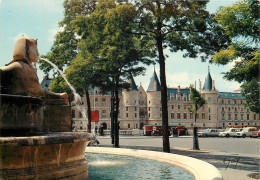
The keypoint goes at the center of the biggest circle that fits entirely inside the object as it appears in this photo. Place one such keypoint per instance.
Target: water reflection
(102, 166)
(107, 163)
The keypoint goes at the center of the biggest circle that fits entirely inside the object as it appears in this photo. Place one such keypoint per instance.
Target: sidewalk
(225, 162)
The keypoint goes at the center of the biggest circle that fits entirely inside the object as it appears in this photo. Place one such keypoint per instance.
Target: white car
(230, 132)
(210, 133)
(248, 131)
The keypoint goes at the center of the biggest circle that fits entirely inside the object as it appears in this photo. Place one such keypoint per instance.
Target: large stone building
(139, 107)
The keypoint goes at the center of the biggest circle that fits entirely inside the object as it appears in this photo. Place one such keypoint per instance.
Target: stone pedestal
(20, 115)
(50, 156)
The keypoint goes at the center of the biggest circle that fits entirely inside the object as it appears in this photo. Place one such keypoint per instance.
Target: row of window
(126, 108)
(243, 124)
(235, 109)
(184, 98)
(142, 114)
(231, 101)
(178, 97)
(224, 125)
(129, 126)
(185, 116)
(103, 102)
(236, 116)
(140, 102)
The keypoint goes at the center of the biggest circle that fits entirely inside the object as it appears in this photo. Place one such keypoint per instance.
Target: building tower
(130, 109)
(154, 101)
(209, 113)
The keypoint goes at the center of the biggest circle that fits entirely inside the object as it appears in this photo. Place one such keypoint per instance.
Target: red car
(256, 134)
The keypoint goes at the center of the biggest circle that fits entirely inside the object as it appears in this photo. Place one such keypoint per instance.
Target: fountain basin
(104, 166)
(46, 156)
(201, 170)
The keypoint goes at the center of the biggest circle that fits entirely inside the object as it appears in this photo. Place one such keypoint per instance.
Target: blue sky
(39, 19)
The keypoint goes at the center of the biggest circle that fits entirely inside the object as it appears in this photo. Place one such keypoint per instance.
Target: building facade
(139, 107)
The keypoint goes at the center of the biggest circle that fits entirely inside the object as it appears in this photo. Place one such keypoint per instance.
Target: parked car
(256, 134)
(246, 132)
(210, 133)
(230, 132)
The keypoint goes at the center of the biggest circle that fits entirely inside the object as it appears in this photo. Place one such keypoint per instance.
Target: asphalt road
(244, 146)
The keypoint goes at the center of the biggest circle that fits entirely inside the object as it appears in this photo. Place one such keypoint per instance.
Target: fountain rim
(47, 138)
(201, 170)
(12, 98)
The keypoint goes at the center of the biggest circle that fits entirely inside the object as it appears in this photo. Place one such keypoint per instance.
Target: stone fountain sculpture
(36, 138)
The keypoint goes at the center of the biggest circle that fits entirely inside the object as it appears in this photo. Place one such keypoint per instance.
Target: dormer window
(171, 96)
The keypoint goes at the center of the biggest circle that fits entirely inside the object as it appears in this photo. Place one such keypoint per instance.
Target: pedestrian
(96, 129)
(101, 130)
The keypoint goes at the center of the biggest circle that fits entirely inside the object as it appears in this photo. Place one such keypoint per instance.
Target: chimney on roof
(179, 89)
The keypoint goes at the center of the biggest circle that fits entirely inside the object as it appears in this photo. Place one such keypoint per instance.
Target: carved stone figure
(19, 77)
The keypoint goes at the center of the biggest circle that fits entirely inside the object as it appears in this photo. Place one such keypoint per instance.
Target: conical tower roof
(208, 82)
(132, 82)
(154, 83)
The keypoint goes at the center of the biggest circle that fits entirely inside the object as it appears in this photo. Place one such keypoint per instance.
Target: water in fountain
(77, 98)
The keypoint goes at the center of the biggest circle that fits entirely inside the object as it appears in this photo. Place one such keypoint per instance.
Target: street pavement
(236, 158)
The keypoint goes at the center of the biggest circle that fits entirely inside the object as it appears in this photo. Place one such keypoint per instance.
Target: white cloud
(232, 64)
(15, 38)
(183, 79)
(52, 33)
(224, 85)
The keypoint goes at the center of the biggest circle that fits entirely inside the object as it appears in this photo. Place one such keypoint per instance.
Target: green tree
(241, 22)
(66, 48)
(105, 36)
(80, 74)
(177, 25)
(198, 101)
(58, 85)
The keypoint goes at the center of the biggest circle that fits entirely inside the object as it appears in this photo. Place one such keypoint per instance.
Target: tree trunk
(112, 134)
(164, 99)
(195, 135)
(195, 139)
(89, 111)
(116, 105)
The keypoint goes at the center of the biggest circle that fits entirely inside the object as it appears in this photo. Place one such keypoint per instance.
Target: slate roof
(208, 83)
(175, 91)
(46, 83)
(230, 95)
(133, 85)
(151, 85)
(91, 91)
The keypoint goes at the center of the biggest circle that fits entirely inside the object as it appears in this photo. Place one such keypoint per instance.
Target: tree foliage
(96, 46)
(115, 52)
(241, 22)
(197, 100)
(179, 26)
